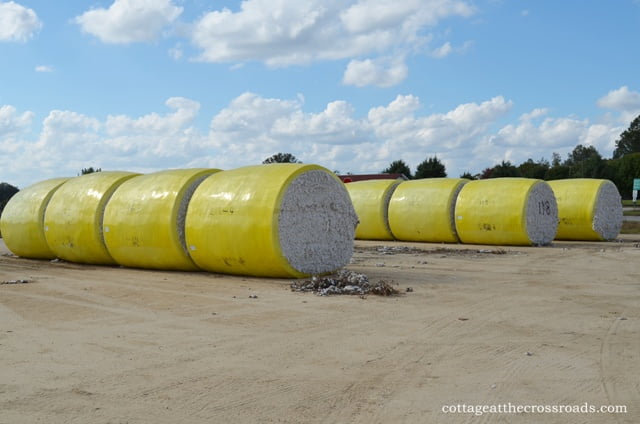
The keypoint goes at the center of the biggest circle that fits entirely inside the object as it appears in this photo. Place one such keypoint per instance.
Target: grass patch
(635, 212)
(630, 227)
(629, 203)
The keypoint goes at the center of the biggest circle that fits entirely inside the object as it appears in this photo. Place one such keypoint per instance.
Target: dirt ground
(483, 325)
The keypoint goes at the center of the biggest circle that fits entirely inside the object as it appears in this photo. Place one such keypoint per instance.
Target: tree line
(582, 162)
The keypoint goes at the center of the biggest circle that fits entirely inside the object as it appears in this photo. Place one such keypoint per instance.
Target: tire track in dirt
(409, 364)
(620, 367)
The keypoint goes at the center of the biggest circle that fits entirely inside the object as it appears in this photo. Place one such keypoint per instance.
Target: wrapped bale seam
(144, 220)
(73, 219)
(22, 221)
(276, 220)
(588, 209)
(371, 202)
(424, 210)
(510, 211)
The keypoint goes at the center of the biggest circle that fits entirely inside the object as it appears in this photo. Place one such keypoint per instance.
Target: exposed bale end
(144, 219)
(316, 223)
(588, 209)
(276, 220)
(424, 210)
(541, 214)
(371, 202)
(22, 221)
(506, 211)
(73, 219)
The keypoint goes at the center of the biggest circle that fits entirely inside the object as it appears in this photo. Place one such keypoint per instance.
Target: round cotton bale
(423, 210)
(73, 220)
(588, 209)
(509, 211)
(144, 220)
(22, 222)
(371, 202)
(275, 220)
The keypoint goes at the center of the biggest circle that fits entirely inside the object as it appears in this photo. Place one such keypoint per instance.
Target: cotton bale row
(588, 209)
(423, 210)
(74, 215)
(22, 221)
(277, 220)
(506, 211)
(371, 202)
(144, 222)
(509, 211)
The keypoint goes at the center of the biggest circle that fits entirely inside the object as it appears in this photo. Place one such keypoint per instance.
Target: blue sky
(146, 85)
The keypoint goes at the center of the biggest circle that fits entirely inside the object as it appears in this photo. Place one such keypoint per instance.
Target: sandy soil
(532, 326)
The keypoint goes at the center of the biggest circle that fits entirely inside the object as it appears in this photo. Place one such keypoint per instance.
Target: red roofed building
(349, 178)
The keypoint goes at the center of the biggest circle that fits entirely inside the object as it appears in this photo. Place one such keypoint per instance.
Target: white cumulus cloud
(382, 72)
(129, 21)
(17, 23)
(63, 128)
(286, 32)
(442, 51)
(44, 68)
(12, 122)
(154, 134)
(538, 135)
(468, 137)
(253, 128)
(13, 126)
(620, 99)
(334, 125)
(623, 100)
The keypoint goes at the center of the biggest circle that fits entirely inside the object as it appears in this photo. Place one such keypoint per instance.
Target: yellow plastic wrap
(371, 201)
(143, 223)
(73, 220)
(22, 222)
(588, 209)
(423, 210)
(276, 220)
(509, 211)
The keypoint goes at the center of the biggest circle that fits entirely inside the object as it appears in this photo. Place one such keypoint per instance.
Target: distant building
(349, 178)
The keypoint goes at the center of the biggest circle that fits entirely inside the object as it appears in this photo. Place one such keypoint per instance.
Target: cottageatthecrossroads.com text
(510, 408)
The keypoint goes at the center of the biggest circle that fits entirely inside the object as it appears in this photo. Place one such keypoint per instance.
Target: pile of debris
(21, 281)
(344, 282)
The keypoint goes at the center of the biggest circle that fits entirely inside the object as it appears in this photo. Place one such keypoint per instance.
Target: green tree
(531, 169)
(89, 170)
(628, 169)
(6, 192)
(431, 168)
(504, 169)
(610, 170)
(584, 162)
(485, 174)
(558, 170)
(468, 176)
(629, 141)
(282, 158)
(398, 167)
